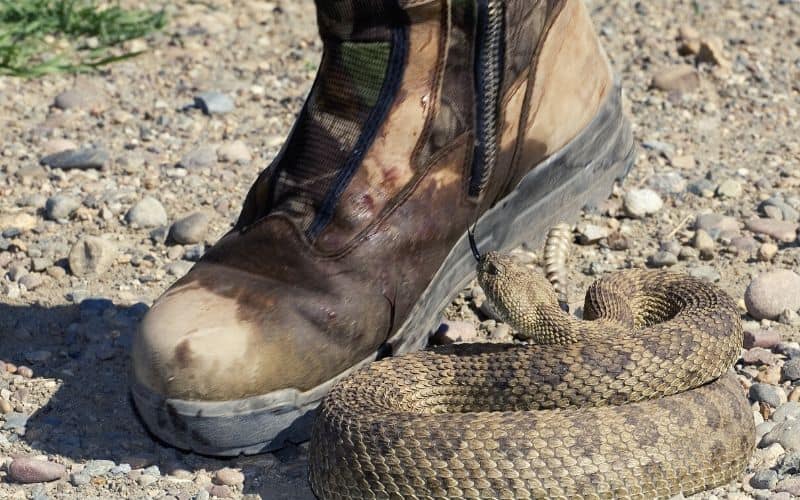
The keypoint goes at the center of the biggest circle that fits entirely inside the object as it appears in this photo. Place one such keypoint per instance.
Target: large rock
(714, 224)
(780, 230)
(770, 293)
(786, 433)
(30, 470)
(92, 255)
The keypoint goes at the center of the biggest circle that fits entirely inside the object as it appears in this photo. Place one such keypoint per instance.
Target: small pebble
(684, 162)
(640, 203)
(769, 375)
(767, 456)
(81, 96)
(229, 477)
(60, 207)
(707, 273)
(763, 429)
(203, 156)
(663, 259)
(790, 463)
(668, 182)
(220, 491)
(79, 478)
(98, 467)
(31, 281)
(715, 224)
(214, 102)
(789, 317)
(759, 356)
(703, 187)
(683, 78)
(450, 332)
(711, 52)
(234, 152)
(149, 212)
(704, 243)
(729, 189)
(189, 230)
(791, 370)
(178, 268)
(786, 211)
(77, 159)
(767, 251)
(146, 480)
(589, 234)
(773, 396)
(787, 411)
(764, 479)
(789, 485)
(16, 272)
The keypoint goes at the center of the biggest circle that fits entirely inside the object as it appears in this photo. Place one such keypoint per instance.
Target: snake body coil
(634, 402)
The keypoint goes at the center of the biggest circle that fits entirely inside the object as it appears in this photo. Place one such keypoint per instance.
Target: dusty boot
(426, 116)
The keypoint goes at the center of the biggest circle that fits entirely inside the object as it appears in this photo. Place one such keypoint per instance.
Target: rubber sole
(582, 173)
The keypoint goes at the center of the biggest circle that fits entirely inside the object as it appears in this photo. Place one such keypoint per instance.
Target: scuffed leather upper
(307, 309)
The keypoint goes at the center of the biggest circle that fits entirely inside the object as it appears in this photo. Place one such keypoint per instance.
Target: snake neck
(546, 324)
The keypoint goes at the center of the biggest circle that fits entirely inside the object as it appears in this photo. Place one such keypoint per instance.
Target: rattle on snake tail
(633, 401)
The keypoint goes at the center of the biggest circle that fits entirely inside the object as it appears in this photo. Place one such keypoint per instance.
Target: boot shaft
(404, 82)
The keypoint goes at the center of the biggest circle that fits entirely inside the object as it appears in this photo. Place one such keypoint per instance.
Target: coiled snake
(631, 402)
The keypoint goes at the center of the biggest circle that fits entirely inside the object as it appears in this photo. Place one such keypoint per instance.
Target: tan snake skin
(635, 403)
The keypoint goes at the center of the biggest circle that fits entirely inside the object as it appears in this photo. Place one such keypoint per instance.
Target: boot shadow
(82, 353)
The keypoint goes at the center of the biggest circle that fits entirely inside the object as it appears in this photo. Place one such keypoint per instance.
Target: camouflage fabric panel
(348, 87)
(525, 21)
(358, 20)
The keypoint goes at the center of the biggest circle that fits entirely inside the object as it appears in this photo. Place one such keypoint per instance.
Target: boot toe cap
(194, 344)
(222, 334)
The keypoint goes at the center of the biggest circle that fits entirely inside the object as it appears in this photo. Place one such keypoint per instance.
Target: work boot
(426, 116)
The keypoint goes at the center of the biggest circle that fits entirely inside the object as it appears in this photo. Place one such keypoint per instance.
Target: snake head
(513, 289)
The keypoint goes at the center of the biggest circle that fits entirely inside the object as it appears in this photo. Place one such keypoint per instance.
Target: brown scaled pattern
(634, 404)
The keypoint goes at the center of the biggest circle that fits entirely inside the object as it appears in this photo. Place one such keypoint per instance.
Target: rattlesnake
(633, 402)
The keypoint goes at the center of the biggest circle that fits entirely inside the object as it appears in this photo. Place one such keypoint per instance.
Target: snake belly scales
(634, 401)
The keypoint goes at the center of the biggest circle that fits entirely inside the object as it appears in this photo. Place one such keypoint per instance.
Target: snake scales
(635, 403)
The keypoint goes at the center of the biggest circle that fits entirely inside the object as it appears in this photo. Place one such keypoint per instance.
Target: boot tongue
(355, 85)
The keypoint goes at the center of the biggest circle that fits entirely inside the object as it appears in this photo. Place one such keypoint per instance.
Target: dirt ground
(718, 134)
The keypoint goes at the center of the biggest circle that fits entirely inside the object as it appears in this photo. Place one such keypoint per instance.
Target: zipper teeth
(491, 79)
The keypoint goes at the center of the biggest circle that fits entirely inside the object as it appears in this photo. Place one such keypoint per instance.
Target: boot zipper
(488, 75)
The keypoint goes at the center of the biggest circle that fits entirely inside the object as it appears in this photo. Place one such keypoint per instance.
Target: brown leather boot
(426, 116)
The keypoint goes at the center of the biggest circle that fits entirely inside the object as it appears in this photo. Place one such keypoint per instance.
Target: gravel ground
(180, 133)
